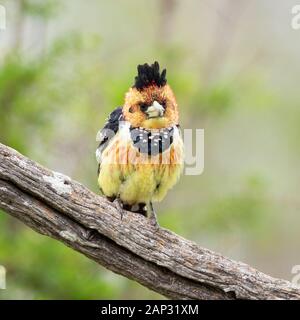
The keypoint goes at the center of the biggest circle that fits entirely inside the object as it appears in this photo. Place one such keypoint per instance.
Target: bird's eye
(143, 107)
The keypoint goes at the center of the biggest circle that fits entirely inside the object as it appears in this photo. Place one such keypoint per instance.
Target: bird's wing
(179, 130)
(109, 130)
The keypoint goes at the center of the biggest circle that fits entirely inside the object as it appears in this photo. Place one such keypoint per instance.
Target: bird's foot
(111, 199)
(140, 208)
(119, 205)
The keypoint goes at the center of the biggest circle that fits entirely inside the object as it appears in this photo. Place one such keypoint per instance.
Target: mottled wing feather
(109, 130)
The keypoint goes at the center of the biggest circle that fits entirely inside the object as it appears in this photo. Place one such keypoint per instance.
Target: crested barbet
(140, 154)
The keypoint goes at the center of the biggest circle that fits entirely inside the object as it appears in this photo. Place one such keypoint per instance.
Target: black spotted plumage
(149, 75)
(109, 130)
(152, 142)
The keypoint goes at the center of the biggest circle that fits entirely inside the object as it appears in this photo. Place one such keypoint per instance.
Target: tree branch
(54, 205)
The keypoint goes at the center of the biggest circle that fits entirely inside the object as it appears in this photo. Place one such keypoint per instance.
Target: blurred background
(234, 67)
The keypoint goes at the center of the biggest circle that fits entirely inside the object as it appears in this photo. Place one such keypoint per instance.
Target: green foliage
(245, 210)
(48, 269)
(44, 9)
(215, 100)
(17, 80)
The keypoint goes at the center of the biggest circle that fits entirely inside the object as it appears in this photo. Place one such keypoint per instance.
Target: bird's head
(150, 103)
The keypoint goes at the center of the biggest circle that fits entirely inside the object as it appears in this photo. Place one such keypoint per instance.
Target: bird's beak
(156, 110)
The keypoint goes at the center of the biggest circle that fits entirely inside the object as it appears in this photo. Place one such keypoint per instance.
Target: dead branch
(54, 205)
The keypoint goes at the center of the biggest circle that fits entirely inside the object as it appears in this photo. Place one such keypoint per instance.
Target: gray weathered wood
(53, 204)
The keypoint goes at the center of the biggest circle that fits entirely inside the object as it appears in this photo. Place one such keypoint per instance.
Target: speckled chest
(152, 142)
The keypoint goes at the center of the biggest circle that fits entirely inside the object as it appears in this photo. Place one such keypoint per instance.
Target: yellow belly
(142, 181)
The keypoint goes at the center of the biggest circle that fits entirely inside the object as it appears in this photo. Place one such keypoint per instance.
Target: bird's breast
(152, 142)
(137, 146)
(129, 170)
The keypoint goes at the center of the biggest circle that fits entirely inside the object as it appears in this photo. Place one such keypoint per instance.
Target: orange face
(153, 107)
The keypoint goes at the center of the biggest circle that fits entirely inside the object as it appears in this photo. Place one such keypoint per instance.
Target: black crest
(149, 75)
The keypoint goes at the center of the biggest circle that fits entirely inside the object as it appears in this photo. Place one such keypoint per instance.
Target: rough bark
(54, 205)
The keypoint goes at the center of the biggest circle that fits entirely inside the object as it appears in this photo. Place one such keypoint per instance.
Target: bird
(141, 152)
